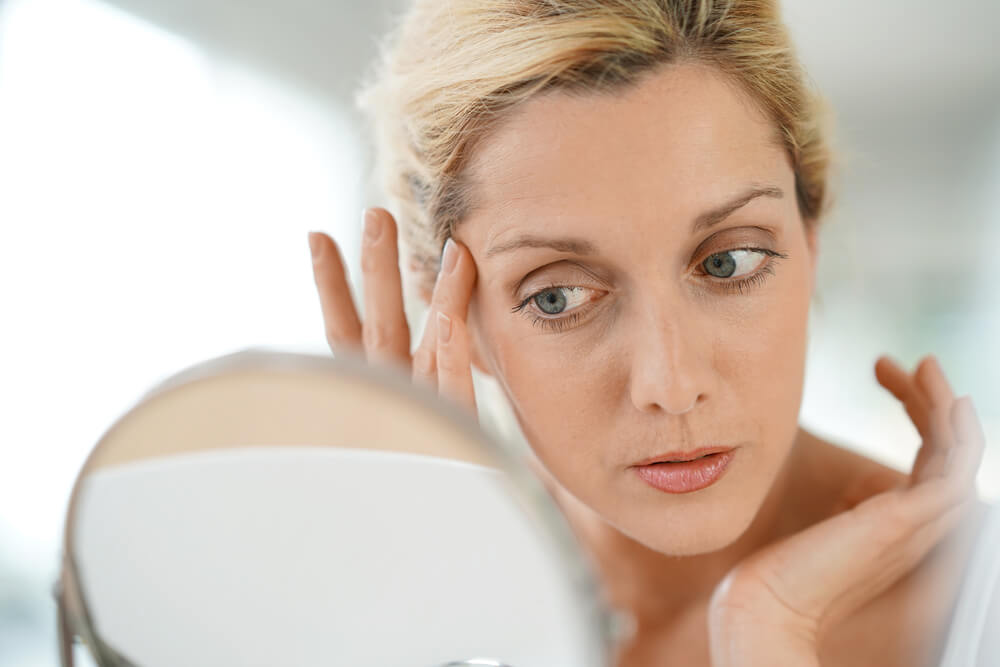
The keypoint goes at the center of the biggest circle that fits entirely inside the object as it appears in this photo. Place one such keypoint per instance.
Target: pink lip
(688, 475)
(683, 456)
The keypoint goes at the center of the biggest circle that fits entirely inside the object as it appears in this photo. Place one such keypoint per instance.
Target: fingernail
(373, 225)
(449, 257)
(443, 327)
(315, 247)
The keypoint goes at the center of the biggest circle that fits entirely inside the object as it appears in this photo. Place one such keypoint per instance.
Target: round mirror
(271, 508)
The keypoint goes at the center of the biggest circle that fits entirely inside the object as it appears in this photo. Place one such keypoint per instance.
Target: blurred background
(162, 160)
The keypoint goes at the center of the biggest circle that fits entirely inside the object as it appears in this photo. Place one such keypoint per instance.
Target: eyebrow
(571, 245)
(578, 246)
(720, 213)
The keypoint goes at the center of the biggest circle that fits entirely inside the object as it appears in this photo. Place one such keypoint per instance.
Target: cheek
(557, 384)
(543, 370)
(762, 360)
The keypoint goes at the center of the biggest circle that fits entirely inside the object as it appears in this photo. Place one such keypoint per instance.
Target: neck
(656, 587)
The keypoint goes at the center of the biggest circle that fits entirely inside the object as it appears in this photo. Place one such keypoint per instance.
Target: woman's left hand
(775, 606)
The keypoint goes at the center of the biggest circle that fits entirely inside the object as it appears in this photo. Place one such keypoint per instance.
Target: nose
(670, 372)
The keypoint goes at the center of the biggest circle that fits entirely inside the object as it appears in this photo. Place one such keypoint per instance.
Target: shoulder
(842, 477)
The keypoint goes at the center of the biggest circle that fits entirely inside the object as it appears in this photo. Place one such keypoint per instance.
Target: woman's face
(616, 308)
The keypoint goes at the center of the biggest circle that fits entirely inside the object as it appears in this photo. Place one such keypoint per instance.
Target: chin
(692, 543)
(688, 531)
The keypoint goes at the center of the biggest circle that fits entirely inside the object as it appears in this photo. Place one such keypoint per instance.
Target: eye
(734, 263)
(558, 307)
(557, 300)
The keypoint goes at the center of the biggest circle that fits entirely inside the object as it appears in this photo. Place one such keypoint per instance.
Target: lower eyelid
(557, 323)
(749, 281)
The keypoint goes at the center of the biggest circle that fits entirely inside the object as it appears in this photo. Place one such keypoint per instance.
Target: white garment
(970, 642)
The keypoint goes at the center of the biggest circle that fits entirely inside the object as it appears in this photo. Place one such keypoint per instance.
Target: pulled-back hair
(451, 70)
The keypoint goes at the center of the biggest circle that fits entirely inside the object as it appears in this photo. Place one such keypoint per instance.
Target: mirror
(271, 508)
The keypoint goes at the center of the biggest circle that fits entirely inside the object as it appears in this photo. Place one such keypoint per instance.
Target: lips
(674, 457)
(685, 472)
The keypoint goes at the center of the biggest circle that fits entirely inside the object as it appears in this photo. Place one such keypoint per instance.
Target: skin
(802, 548)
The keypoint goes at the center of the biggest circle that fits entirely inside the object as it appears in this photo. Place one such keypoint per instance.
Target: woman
(628, 194)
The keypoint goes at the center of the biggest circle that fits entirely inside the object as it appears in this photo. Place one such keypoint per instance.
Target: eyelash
(555, 323)
(754, 279)
(740, 285)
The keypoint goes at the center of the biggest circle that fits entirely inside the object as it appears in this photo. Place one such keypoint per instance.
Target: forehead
(683, 138)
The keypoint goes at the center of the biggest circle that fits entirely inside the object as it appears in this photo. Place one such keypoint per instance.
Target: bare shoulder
(909, 623)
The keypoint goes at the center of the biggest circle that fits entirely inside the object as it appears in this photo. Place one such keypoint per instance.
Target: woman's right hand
(776, 606)
(442, 359)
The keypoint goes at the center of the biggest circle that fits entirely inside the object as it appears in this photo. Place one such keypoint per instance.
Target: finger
(425, 355)
(453, 288)
(930, 498)
(340, 317)
(930, 380)
(385, 333)
(454, 367)
(971, 443)
(451, 295)
(900, 384)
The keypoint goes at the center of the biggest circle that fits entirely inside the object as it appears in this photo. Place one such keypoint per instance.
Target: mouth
(682, 457)
(685, 472)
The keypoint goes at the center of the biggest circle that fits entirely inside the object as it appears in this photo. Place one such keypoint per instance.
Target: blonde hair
(452, 68)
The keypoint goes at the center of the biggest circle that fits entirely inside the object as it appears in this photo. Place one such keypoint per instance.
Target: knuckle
(368, 262)
(450, 364)
(423, 361)
(446, 364)
(332, 340)
(372, 336)
(440, 296)
(448, 295)
(334, 337)
(893, 521)
(337, 337)
(381, 335)
(449, 305)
